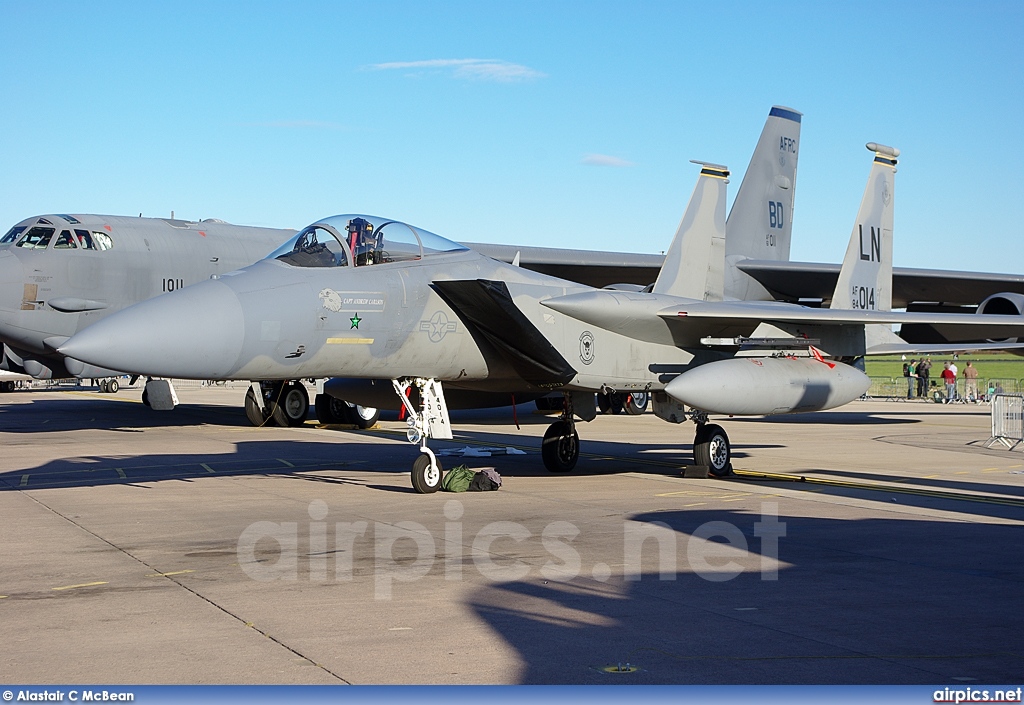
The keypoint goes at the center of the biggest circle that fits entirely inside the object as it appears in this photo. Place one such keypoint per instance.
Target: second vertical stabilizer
(865, 281)
(760, 224)
(695, 262)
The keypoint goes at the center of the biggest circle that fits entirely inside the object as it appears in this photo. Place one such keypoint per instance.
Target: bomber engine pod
(772, 385)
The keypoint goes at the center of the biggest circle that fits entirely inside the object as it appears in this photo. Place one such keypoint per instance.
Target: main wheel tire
(331, 410)
(113, 386)
(426, 478)
(364, 416)
(604, 403)
(291, 407)
(7, 387)
(145, 397)
(253, 412)
(711, 447)
(560, 449)
(103, 386)
(636, 403)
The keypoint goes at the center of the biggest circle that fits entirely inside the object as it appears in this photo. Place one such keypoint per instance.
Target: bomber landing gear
(286, 403)
(431, 421)
(560, 448)
(331, 410)
(636, 403)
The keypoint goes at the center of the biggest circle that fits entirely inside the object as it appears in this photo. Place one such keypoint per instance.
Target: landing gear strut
(430, 421)
(560, 448)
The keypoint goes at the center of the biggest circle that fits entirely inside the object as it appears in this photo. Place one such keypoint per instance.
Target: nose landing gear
(431, 421)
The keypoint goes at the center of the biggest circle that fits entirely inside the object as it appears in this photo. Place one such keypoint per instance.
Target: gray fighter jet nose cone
(196, 332)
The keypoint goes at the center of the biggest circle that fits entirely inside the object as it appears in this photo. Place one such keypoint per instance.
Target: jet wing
(792, 281)
(685, 322)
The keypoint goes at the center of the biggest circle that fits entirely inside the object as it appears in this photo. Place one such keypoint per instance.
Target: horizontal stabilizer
(487, 309)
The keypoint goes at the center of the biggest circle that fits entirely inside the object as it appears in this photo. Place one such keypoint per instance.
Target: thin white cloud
(301, 124)
(474, 69)
(605, 160)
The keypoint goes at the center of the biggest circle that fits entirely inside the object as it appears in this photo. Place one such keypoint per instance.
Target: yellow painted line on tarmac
(3, 597)
(24, 481)
(173, 572)
(120, 473)
(81, 585)
(207, 468)
(695, 504)
(940, 494)
(737, 499)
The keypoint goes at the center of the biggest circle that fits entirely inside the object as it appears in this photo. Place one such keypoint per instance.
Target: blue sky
(567, 124)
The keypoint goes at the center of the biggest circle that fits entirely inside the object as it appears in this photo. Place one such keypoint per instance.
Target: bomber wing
(792, 281)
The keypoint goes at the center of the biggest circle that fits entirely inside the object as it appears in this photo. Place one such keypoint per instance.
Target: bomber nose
(11, 281)
(12, 290)
(196, 332)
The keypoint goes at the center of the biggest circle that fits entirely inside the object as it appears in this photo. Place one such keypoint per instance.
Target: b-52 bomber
(401, 315)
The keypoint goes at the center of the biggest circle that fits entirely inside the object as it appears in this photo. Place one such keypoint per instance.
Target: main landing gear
(431, 421)
(286, 403)
(711, 446)
(331, 410)
(560, 448)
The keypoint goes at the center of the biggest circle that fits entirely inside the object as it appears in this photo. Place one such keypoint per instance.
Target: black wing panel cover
(487, 309)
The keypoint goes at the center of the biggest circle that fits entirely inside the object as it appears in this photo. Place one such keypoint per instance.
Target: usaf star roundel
(587, 347)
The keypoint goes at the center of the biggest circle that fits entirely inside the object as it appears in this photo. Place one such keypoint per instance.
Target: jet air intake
(755, 386)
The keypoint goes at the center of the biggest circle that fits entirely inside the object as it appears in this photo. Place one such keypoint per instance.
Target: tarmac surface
(877, 543)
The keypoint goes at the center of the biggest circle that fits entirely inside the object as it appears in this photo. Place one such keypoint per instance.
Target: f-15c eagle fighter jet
(403, 316)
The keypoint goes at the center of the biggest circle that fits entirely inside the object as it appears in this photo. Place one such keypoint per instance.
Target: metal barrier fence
(1007, 420)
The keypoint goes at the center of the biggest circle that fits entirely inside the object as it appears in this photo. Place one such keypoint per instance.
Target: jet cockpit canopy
(360, 240)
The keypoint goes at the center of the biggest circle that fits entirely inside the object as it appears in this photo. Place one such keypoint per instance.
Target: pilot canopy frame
(360, 240)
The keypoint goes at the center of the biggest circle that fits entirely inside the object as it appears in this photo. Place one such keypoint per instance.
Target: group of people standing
(918, 372)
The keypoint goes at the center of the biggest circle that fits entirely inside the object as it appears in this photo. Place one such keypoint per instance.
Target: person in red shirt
(949, 377)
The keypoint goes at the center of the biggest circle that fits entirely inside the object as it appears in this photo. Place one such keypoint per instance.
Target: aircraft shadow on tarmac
(83, 413)
(346, 450)
(859, 601)
(839, 418)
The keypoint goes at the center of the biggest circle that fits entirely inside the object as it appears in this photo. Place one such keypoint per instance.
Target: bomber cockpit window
(316, 246)
(90, 240)
(36, 238)
(13, 234)
(65, 241)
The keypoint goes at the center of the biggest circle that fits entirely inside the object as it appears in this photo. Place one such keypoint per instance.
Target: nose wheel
(429, 421)
(426, 473)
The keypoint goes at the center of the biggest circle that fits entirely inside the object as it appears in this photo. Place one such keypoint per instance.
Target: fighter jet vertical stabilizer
(865, 280)
(695, 263)
(760, 224)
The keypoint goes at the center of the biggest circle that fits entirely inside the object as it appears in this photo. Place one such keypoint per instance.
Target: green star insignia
(355, 321)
